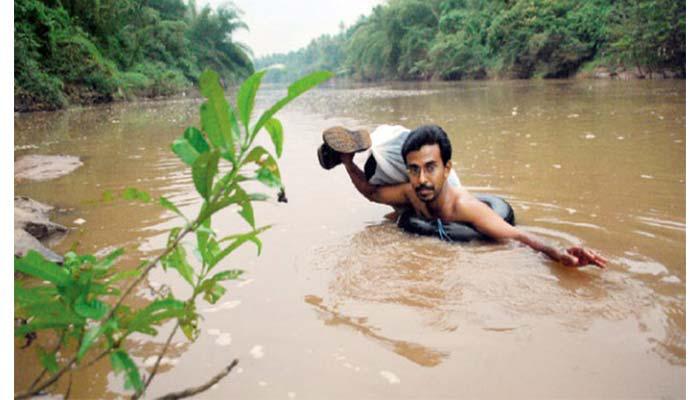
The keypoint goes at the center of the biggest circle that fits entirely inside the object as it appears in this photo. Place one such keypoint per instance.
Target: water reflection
(414, 352)
(381, 273)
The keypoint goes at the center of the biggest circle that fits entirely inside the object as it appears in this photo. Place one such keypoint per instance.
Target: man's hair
(427, 135)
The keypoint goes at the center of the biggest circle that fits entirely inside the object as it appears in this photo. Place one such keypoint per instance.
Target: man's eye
(430, 168)
(413, 170)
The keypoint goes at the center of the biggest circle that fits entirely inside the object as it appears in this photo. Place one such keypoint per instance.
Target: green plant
(73, 300)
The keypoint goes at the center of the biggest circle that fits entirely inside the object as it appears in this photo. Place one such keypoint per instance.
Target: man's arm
(394, 195)
(491, 224)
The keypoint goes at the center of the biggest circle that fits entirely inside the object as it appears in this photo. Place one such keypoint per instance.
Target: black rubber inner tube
(455, 231)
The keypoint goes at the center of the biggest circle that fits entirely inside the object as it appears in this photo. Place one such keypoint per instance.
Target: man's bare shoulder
(463, 205)
(464, 198)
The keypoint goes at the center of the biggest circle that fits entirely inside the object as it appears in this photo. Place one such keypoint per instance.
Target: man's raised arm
(394, 195)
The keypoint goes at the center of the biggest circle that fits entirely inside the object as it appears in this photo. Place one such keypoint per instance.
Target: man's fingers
(585, 257)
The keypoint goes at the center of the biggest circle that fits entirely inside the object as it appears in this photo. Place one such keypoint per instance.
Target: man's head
(427, 153)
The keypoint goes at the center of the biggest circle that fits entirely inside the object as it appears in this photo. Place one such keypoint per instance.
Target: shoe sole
(346, 141)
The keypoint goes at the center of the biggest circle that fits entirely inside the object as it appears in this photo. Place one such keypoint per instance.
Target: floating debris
(671, 279)
(79, 221)
(257, 352)
(390, 376)
(224, 339)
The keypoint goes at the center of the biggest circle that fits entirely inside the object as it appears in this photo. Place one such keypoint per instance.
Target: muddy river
(343, 305)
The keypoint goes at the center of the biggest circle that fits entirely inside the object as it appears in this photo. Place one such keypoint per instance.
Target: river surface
(342, 304)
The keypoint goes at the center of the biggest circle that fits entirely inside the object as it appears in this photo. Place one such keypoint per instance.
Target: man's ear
(448, 167)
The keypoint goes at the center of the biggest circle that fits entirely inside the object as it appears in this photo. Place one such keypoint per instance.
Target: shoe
(346, 141)
(327, 157)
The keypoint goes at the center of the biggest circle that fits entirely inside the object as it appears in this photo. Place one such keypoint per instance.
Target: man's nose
(421, 177)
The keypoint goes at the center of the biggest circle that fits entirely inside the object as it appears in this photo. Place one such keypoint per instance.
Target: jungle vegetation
(476, 39)
(91, 51)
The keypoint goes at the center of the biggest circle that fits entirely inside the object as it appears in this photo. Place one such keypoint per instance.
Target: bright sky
(280, 26)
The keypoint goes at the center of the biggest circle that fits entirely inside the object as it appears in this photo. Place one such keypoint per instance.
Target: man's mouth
(424, 191)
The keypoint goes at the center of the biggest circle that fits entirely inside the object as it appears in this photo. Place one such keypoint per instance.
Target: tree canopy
(86, 51)
(474, 39)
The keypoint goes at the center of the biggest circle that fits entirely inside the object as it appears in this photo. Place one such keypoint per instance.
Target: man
(427, 153)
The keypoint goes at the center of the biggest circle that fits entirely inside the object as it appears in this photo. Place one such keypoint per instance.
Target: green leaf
(246, 97)
(258, 155)
(234, 124)
(55, 310)
(48, 360)
(293, 91)
(154, 314)
(204, 234)
(213, 293)
(27, 296)
(170, 206)
(227, 275)
(89, 339)
(196, 139)
(93, 309)
(238, 240)
(274, 128)
(247, 213)
(269, 172)
(184, 149)
(36, 265)
(38, 326)
(177, 259)
(121, 275)
(215, 113)
(189, 323)
(268, 177)
(135, 194)
(109, 260)
(121, 361)
(203, 171)
(190, 330)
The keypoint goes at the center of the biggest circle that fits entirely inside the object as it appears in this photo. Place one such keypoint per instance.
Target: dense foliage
(86, 51)
(81, 304)
(474, 39)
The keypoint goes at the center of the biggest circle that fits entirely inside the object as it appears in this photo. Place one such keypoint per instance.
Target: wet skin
(427, 176)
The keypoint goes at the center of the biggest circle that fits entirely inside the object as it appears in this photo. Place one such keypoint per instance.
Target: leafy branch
(73, 300)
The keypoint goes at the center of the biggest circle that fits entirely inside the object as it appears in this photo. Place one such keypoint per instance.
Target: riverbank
(85, 97)
(82, 96)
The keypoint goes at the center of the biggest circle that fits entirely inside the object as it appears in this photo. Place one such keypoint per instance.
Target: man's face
(426, 171)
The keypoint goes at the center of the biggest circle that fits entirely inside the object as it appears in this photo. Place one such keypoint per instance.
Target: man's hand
(579, 257)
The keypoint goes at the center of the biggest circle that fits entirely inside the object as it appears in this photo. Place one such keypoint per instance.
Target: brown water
(341, 304)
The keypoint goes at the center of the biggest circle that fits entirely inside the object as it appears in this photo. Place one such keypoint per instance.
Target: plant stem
(155, 367)
(199, 389)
